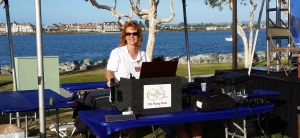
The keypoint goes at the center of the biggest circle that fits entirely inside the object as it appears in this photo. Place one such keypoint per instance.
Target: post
(234, 34)
(298, 63)
(298, 117)
(186, 40)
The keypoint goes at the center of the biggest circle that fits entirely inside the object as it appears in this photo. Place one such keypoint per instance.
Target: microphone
(138, 61)
(131, 76)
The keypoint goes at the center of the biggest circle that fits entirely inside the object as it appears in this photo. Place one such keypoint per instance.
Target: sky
(80, 11)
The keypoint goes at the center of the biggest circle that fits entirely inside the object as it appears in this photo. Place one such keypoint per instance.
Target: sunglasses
(134, 34)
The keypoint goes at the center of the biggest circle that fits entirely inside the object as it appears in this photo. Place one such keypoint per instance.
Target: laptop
(156, 69)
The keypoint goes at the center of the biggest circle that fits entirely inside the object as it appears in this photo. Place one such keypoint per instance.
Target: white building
(17, 28)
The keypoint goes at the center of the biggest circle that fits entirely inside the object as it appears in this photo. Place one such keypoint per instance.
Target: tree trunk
(248, 47)
(152, 29)
(151, 41)
(243, 35)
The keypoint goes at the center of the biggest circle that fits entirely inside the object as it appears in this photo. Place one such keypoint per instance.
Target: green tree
(135, 21)
(141, 24)
(147, 23)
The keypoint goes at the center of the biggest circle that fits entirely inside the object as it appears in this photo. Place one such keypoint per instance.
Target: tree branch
(113, 10)
(285, 5)
(251, 13)
(143, 13)
(167, 20)
(157, 2)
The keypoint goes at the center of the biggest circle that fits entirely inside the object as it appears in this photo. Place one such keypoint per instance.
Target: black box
(130, 93)
(231, 78)
(209, 80)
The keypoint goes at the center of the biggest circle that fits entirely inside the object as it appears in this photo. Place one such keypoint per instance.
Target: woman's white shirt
(122, 64)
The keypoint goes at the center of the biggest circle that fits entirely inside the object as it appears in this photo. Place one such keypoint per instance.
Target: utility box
(27, 73)
(11, 131)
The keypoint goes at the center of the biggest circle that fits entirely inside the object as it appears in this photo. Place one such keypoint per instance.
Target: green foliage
(279, 136)
(141, 24)
(218, 3)
(147, 23)
(135, 21)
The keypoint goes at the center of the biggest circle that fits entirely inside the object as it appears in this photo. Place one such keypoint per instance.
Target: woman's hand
(108, 75)
(108, 83)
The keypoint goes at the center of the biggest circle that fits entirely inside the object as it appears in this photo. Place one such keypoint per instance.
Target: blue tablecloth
(28, 100)
(95, 119)
(73, 87)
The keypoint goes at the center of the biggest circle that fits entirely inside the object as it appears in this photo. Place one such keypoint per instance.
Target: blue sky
(79, 11)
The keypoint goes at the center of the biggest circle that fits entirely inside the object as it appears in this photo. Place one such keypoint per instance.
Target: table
(74, 87)
(28, 100)
(95, 119)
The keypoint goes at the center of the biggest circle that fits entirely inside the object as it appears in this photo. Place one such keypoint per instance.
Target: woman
(126, 60)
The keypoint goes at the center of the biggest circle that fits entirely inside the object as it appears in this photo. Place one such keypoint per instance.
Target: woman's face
(131, 36)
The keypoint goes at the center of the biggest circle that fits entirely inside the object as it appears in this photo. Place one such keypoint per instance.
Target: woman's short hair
(135, 26)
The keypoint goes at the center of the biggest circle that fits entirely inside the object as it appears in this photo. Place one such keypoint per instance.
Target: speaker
(147, 96)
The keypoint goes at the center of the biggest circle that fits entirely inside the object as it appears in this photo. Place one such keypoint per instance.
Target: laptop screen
(157, 69)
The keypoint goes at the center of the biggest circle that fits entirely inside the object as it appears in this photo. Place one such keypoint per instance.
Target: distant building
(210, 28)
(91, 27)
(3, 28)
(17, 28)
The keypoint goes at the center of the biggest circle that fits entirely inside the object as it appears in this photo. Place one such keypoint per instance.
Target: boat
(228, 38)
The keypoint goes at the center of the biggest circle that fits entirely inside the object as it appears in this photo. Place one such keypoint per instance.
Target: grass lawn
(212, 129)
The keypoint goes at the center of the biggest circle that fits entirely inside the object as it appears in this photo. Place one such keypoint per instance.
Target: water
(78, 47)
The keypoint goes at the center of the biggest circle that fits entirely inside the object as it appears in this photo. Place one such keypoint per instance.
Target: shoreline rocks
(88, 64)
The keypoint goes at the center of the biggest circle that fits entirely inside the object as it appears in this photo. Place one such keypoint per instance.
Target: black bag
(231, 78)
(212, 101)
(85, 101)
(226, 81)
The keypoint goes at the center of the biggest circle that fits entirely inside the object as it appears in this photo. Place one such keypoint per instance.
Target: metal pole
(12, 61)
(186, 40)
(39, 49)
(278, 41)
(255, 39)
(234, 36)
(267, 42)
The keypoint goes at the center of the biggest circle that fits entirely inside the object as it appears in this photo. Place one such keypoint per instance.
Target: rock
(87, 64)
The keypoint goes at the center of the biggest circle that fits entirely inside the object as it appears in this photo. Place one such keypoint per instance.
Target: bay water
(70, 47)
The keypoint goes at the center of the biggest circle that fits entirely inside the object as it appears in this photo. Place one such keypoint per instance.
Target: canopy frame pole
(40, 62)
(186, 40)
(254, 45)
(11, 49)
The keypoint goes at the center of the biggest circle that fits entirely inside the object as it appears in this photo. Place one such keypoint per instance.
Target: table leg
(298, 120)
(26, 125)
(18, 119)
(258, 123)
(245, 128)
(242, 129)
(57, 123)
(226, 132)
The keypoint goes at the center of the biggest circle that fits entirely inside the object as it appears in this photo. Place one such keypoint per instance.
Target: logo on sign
(157, 96)
(154, 94)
